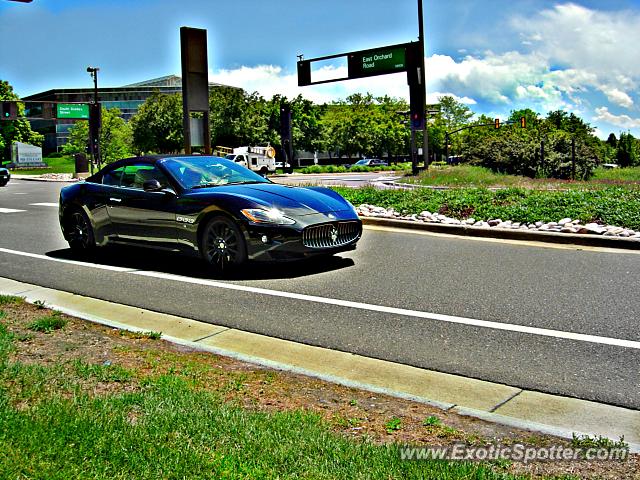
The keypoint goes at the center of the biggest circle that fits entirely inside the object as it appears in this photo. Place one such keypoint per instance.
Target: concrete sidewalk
(493, 402)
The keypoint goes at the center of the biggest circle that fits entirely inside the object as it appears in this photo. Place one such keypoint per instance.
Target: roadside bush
(517, 154)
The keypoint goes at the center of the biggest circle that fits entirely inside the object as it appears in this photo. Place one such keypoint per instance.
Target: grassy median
(609, 205)
(473, 176)
(79, 400)
(83, 401)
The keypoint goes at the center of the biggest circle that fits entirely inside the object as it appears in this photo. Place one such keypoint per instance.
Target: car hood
(290, 200)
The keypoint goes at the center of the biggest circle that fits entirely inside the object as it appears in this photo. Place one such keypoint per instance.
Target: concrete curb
(501, 233)
(497, 403)
(36, 178)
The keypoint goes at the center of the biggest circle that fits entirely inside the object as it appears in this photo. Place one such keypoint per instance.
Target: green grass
(106, 372)
(48, 324)
(464, 175)
(432, 421)
(10, 300)
(65, 164)
(631, 174)
(586, 442)
(473, 176)
(612, 205)
(150, 335)
(52, 426)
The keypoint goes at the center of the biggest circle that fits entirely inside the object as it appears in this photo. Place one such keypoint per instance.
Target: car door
(139, 216)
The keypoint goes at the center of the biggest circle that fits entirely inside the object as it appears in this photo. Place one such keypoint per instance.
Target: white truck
(259, 159)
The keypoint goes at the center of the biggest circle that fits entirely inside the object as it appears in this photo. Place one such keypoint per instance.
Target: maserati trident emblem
(334, 235)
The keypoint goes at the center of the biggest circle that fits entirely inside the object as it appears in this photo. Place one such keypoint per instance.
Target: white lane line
(63, 260)
(19, 193)
(618, 342)
(10, 210)
(400, 311)
(44, 204)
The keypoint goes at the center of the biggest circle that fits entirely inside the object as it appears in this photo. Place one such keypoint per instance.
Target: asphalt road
(349, 179)
(405, 297)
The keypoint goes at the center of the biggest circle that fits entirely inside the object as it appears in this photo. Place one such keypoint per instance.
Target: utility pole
(573, 158)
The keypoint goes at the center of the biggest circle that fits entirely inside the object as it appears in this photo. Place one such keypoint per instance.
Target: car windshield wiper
(208, 185)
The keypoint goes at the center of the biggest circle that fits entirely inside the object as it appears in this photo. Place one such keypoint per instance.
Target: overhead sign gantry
(404, 57)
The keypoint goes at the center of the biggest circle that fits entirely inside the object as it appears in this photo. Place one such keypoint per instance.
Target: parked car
(5, 176)
(370, 162)
(205, 206)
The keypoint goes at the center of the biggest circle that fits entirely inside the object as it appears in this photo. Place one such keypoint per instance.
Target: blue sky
(495, 55)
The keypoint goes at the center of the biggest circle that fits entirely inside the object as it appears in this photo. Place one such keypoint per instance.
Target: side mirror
(152, 185)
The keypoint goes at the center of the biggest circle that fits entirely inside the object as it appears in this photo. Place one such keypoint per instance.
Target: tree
(453, 115)
(393, 136)
(14, 130)
(115, 137)
(627, 152)
(227, 106)
(157, 127)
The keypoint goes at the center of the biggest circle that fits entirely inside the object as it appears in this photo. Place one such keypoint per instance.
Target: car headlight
(271, 215)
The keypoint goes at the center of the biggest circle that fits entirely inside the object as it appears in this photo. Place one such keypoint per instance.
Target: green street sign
(73, 110)
(378, 61)
(382, 60)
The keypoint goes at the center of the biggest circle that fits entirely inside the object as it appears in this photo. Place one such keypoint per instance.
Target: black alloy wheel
(223, 245)
(81, 239)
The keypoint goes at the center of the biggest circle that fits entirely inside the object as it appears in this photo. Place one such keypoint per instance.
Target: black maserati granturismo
(205, 206)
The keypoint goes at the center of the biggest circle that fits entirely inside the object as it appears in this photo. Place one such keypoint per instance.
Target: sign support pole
(425, 147)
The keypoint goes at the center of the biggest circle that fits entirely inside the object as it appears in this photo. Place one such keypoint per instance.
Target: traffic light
(415, 79)
(497, 124)
(8, 110)
(417, 120)
(523, 122)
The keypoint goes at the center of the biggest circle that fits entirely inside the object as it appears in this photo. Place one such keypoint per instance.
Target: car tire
(264, 171)
(222, 244)
(80, 234)
(3, 183)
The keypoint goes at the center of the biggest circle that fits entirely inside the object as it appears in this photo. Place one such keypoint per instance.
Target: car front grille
(330, 235)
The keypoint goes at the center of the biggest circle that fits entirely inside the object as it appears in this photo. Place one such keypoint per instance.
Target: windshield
(362, 162)
(200, 172)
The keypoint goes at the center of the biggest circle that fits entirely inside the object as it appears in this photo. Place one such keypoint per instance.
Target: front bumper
(268, 243)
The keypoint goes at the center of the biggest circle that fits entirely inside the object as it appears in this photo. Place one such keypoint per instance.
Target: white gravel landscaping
(564, 225)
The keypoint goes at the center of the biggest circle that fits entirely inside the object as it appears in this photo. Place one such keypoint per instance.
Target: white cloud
(618, 97)
(623, 121)
(269, 80)
(504, 79)
(604, 42)
(571, 58)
